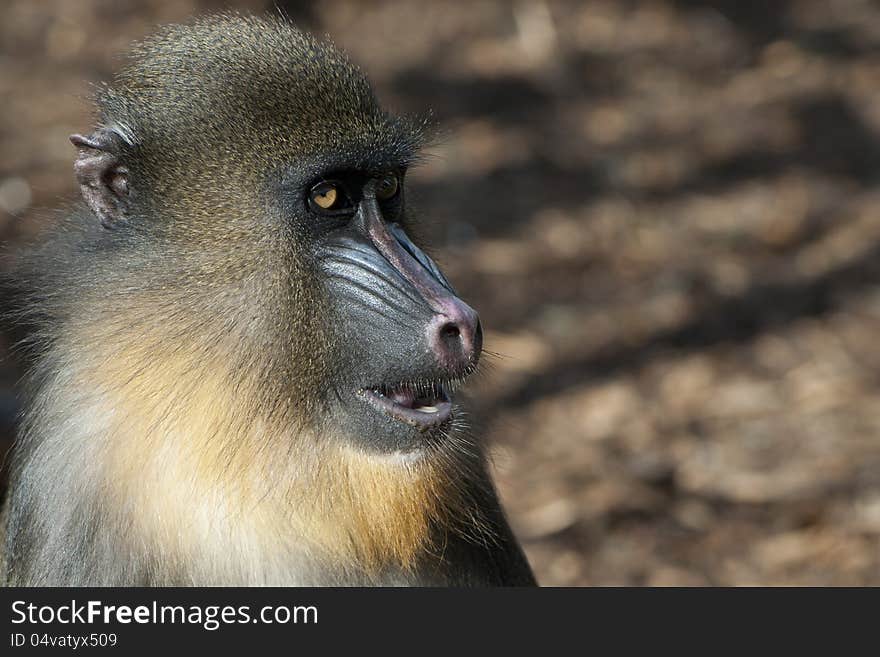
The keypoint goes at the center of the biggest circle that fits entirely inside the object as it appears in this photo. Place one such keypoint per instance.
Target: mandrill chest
(212, 508)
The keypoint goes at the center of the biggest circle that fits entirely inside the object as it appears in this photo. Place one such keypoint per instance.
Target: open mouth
(422, 405)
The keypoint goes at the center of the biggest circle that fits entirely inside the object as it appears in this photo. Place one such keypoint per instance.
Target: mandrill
(243, 365)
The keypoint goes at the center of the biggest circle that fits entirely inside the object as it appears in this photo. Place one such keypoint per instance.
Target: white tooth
(428, 409)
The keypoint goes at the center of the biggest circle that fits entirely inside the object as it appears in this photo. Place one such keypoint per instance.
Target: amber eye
(387, 187)
(325, 196)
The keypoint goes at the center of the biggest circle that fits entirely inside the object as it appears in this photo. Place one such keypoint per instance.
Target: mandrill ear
(103, 180)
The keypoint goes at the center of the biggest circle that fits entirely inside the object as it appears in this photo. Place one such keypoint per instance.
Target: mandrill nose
(455, 335)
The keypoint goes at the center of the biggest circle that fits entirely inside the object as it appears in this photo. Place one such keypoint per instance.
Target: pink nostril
(450, 331)
(455, 336)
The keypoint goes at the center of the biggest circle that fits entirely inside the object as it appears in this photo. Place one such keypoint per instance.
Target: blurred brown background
(668, 215)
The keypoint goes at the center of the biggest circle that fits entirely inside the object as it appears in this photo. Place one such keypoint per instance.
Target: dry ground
(668, 214)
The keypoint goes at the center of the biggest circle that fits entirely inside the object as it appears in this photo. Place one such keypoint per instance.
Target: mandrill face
(408, 337)
(296, 235)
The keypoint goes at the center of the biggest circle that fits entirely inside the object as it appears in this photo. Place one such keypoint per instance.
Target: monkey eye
(387, 187)
(327, 196)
